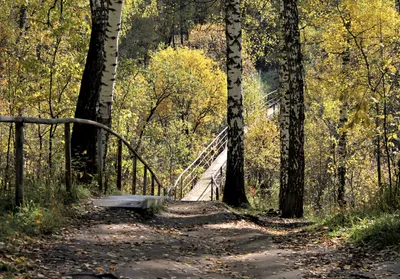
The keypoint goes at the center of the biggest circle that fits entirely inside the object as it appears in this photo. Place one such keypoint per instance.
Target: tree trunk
(84, 137)
(342, 155)
(342, 140)
(292, 113)
(104, 110)
(378, 154)
(234, 192)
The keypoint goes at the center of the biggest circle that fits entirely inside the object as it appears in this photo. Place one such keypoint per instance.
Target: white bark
(110, 62)
(234, 192)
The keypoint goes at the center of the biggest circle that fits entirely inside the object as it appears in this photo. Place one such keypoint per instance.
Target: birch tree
(291, 112)
(234, 192)
(104, 106)
(96, 93)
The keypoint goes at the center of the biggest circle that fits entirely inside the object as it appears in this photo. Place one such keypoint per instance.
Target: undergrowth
(39, 216)
(378, 230)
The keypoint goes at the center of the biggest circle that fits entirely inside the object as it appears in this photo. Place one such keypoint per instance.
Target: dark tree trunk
(342, 141)
(84, 137)
(342, 155)
(234, 192)
(292, 113)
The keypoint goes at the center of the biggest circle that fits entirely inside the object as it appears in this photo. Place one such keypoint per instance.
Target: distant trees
(352, 68)
(234, 191)
(171, 107)
(291, 112)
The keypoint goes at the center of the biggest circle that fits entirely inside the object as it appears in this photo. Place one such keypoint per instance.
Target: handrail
(199, 160)
(264, 97)
(221, 136)
(219, 172)
(218, 187)
(20, 120)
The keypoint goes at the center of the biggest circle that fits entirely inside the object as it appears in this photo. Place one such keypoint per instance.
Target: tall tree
(110, 66)
(291, 112)
(342, 135)
(96, 92)
(234, 192)
(84, 137)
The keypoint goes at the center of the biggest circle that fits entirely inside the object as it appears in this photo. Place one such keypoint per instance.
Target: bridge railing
(152, 186)
(188, 178)
(217, 182)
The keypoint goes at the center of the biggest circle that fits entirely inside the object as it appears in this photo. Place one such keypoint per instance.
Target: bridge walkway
(202, 190)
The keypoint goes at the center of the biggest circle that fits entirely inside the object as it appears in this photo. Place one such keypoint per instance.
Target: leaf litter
(190, 240)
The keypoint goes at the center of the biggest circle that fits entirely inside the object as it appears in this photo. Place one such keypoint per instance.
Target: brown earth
(195, 240)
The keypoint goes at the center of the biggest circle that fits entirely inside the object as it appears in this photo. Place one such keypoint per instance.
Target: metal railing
(19, 155)
(193, 172)
(217, 182)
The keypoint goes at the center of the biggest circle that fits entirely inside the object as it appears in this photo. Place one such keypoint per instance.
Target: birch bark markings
(291, 112)
(97, 86)
(84, 138)
(110, 62)
(104, 108)
(234, 192)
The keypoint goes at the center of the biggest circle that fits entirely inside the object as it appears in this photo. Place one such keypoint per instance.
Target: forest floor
(192, 240)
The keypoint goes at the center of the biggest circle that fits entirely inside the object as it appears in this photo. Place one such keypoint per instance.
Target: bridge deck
(130, 201)
(202, 190)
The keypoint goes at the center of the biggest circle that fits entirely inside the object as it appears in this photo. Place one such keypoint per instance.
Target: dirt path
(196, 240)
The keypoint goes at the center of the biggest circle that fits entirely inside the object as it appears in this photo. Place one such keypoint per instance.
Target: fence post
(67, 139)
(175, 193)
(182, 188)
(134, 175)
(152, 184)
(99, 159)
(217, 192)
(119, 165)
(158, 189)
(145, 181)
(19, 164)
(212, 186)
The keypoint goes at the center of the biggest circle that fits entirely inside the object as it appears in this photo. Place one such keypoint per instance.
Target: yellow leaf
(100, 269)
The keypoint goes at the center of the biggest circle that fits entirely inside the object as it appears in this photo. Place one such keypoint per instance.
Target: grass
(377, 230)
(39, 216)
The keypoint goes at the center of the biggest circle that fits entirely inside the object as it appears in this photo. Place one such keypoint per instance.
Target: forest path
(196, 240)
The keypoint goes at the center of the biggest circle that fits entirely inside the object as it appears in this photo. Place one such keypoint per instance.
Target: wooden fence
(19, 155)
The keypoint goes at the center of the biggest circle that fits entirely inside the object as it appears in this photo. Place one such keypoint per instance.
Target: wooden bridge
(201, 180)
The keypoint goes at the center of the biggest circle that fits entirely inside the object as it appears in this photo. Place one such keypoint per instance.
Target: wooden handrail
(19, 120)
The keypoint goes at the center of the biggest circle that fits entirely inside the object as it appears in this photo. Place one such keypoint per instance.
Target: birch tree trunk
(104, 109)
(291, 112)
(234, 192)
(84, 137)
